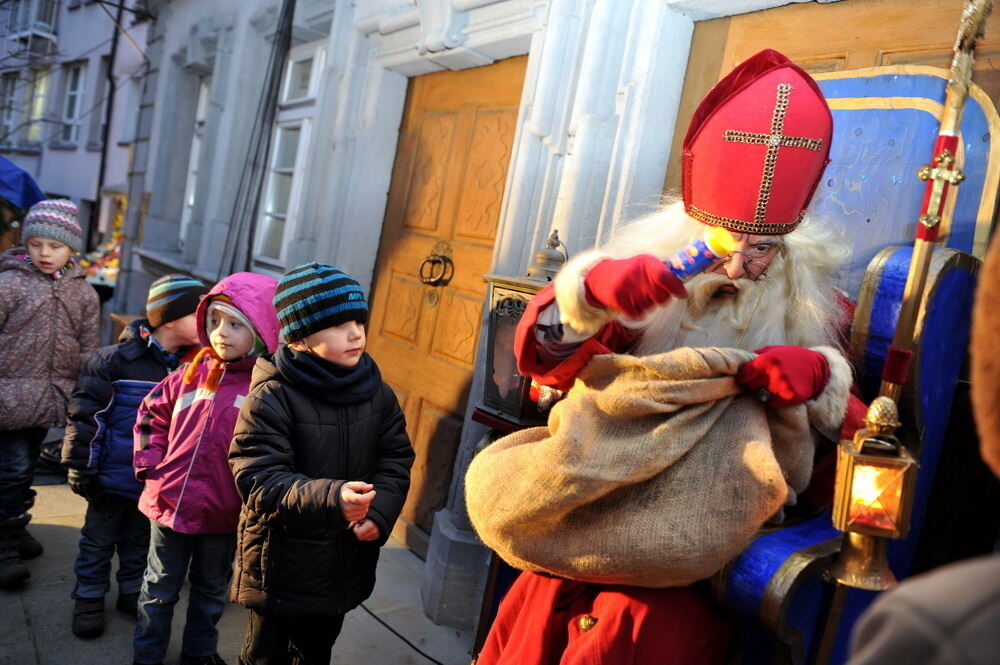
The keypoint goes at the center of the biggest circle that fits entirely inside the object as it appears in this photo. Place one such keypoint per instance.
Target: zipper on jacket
(197, 447)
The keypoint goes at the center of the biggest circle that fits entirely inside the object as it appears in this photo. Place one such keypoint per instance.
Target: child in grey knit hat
(48, 326)
(52, 235)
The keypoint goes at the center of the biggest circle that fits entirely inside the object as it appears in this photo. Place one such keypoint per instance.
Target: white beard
(751, 318)
(798, 305)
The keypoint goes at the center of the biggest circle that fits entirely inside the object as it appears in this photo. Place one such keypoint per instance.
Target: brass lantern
(507, 394)
(876, 476)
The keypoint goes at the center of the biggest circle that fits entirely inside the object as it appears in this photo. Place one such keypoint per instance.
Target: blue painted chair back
(885, 125)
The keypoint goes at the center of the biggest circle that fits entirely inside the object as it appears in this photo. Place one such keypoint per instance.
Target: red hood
(253, 294)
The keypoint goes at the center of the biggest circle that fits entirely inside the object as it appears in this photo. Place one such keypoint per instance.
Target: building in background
(403, 132)
(66, 69)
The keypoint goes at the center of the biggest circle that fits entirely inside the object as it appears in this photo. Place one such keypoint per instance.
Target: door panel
(447, 187)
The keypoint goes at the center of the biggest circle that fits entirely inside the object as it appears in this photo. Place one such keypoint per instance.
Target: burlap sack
(654, 471)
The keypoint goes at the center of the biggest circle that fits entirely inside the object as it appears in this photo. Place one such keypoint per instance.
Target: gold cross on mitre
(774, 141)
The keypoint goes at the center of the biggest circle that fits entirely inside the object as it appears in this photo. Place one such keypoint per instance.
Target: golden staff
(876, 474)
(941, 176)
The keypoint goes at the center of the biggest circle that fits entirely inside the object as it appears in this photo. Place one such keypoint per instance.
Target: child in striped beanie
(97, 448)
(320, 451)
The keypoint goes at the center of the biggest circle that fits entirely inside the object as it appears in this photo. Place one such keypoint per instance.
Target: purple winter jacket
(185, 424)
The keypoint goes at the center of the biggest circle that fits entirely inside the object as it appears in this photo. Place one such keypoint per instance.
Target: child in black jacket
(97, 448)
(322, 461)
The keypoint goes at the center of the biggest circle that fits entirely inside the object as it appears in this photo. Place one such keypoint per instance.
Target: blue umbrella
(17, 186)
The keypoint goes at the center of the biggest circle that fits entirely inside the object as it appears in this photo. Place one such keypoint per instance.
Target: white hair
(795, 303)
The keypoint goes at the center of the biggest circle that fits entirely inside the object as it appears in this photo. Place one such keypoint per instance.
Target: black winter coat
(102, 410)
(300, 435)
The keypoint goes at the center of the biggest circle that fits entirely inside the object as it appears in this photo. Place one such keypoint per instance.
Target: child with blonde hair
(182, 436)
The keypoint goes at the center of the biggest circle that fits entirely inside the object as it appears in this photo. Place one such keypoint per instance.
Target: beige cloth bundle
(654, 471)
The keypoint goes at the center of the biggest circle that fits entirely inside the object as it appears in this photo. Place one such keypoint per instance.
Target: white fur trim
(826, 412)
(574, 310)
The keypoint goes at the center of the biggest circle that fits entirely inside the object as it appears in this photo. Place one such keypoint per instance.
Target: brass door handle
(436, 270)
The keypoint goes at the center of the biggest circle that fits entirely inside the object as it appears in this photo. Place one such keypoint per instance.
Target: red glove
(790, 373)
(632, 286)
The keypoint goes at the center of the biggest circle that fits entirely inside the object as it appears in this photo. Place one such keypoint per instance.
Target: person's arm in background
(90, 326)
(391, 476)
(152, 424)
(596, 305)
(85, 434)
(263, 465)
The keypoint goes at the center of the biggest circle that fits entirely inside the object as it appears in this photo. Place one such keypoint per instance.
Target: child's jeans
(210, 557)
(281, 640)
(18, 455)
(112, 523)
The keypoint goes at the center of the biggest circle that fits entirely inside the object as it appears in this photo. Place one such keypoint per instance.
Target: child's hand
(355, 497)
(366, 530)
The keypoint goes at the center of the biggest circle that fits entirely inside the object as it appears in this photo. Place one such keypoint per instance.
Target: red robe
(538, 622)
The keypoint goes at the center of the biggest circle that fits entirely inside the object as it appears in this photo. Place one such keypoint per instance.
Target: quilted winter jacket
(291, 453)
(102, 412)
(183, 429)
(48, 327)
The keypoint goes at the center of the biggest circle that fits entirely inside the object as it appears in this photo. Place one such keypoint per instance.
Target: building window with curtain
(35, 98)
(73, 80)
(293, 126)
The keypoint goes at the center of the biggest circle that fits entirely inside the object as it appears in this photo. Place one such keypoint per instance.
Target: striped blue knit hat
(315, 296)
(172, 297)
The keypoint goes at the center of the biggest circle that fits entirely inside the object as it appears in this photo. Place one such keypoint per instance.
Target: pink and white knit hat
(55, 219)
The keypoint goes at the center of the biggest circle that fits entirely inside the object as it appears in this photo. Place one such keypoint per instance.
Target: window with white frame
(46, 13)
(8, 107)
(72, 101)
(194, 157)
(293, 125)
(35, 98)
(32, 15)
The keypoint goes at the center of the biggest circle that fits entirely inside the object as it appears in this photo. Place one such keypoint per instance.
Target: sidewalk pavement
(35, 620)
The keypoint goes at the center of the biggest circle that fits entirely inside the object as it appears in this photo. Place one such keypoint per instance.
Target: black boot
(12, 570)
(128, 603)
(28, 546)
(88, 617)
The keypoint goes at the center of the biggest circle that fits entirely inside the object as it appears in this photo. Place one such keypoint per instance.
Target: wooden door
(850, 34)
(447, 186)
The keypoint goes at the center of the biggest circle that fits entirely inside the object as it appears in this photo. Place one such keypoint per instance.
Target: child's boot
(128, 603)
(28, 546)
(12, 569)
(88, 617)
(214, 659)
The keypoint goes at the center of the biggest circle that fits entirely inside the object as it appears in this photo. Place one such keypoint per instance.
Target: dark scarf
(330, 381)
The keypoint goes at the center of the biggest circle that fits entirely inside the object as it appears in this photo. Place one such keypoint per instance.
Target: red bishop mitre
(756, 148)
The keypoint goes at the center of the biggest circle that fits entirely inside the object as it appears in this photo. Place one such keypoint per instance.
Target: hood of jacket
(253, 294)
(13, 259)
(132, 329)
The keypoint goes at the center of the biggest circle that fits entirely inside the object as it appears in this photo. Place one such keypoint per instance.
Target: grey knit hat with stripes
(55, 219)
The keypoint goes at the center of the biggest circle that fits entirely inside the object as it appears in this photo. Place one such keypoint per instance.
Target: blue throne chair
(885, 124)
